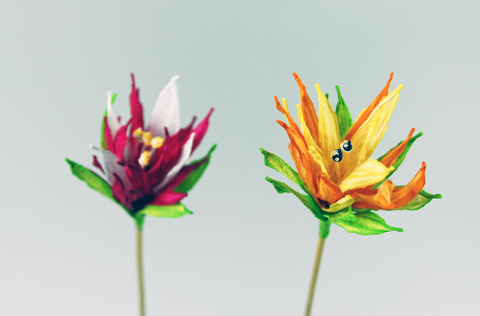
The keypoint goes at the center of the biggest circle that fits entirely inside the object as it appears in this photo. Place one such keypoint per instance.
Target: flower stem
(313, 281)
(139, 224)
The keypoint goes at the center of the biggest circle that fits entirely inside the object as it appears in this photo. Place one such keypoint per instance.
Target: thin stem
(140, 270)
(313, 281)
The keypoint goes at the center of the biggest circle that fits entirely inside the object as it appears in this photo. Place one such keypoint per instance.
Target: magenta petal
(118, 190)
(97, 164)
(121, 140)
(136, 108)
(200, 130)
(108, 136)
(167, 198)
(138, 178)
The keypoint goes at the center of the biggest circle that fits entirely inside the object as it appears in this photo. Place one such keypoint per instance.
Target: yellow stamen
(147, 138)
(144, 158)
(138, 134)
(157, 142)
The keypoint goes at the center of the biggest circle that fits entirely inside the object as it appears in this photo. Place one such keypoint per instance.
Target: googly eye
(337, 155)
(346, 146)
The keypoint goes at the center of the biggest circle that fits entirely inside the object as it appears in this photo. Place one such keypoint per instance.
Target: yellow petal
(368, 173)
(328, 134)
(344, 202)
(369, 134)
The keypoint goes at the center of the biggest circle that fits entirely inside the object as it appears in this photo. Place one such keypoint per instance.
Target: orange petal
(308, 110)
(366, 113)
(392, 198)
(327, 190)
(285, 112)
(299, 153)
(392, 156)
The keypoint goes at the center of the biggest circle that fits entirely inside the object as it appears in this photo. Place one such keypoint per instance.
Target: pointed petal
(112, 165)
(368, 173)
(200, 130)
(300, 157)
(166, 112)
(97, 164)
(308, 110)
(341, 204)
(284, 110)
(327, 190)
(369, 134)
(108, 136)
(399, 195)
(186, 151)
(136, 108)
(365, 114)
(393, 154)
(167, 198)
(112, 118)
(328, 134)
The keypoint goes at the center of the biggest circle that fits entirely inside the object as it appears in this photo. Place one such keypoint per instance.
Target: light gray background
(66, 250)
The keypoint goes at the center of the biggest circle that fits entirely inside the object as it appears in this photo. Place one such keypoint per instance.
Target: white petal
(111, 166)
(186, 151)
(112, 118)
(166, 112)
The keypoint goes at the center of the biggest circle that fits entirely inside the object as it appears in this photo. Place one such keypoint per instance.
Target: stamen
(138, 134)
(144, 158)
(147, 138)
(157, 142)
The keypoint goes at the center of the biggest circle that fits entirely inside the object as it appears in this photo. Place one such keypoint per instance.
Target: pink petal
(108, 136)
(97, 164)
(167, 198)
(136, 108)
(118, 190)
(200, 130)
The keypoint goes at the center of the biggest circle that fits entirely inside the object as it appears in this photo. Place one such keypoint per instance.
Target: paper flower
(145, 166)
(343, 185)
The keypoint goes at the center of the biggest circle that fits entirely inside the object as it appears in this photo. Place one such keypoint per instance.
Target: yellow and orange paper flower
(332, 157)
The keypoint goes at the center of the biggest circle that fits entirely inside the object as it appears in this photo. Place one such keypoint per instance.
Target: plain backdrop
(66, 250)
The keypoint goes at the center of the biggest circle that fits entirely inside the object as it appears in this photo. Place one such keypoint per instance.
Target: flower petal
(328, 134)
(166, 112)
(368, 173)
(186, 151)
(308, 110)
(300, 157)
(200, 130)
(167, 198)
(393, 154)
(341, 204)
(327, 190)
(392, 198)
(369, 134)
(112, 118)
(136, 108)
(365, 114)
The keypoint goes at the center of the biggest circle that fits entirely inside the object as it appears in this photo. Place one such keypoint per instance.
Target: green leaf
(277, 163)
(103, 143)
(367, 223)
(196, 174)
(307, 200)
(422, 199)
(169, 211)
(343, 114)
(344, 215)
(400, 158)
(91, 179)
